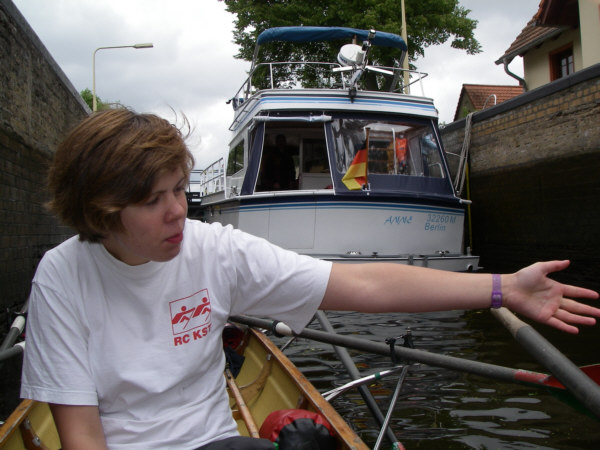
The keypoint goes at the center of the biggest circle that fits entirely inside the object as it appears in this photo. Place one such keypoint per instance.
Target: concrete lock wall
(535, 175)
(38, 106)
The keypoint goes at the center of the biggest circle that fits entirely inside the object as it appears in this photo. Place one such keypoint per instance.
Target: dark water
(443, 409)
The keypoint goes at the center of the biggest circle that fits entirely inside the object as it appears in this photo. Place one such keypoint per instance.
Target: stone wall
(535, 175)
(38, 105)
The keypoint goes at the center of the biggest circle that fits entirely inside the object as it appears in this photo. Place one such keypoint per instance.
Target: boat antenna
(356, 58)
(366, 46)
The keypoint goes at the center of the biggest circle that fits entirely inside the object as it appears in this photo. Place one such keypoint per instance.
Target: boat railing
(289, 75)
(207, 181)
(318, 75)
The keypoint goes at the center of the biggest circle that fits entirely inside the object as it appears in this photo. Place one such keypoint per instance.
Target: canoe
(29, 426)
(285, 388)
(267, 382)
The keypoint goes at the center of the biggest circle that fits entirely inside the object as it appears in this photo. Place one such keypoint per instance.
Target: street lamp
(405, 63)
(136, 46)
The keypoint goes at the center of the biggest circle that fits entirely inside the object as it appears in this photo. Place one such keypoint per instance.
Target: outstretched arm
(380, 287)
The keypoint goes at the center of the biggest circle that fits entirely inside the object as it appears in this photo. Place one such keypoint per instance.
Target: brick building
(534, 162)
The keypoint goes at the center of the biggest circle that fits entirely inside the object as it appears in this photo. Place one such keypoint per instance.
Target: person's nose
(177, 207)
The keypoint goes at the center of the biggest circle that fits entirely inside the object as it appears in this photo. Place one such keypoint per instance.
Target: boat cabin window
(235, 161)
(294, 157)
(393, 148)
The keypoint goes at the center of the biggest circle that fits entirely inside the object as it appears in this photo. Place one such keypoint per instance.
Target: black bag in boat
(298, 429)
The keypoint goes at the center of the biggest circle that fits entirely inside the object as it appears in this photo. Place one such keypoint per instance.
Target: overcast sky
(191, 68)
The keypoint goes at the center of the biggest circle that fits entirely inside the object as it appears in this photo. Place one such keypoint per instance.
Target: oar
(354, 374)
(8, 353)
(8, 348)
(572, 377)
(432, 359)
(14, 332)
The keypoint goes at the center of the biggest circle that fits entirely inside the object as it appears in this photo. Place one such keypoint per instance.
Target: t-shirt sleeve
(55, 365)
(275, 282)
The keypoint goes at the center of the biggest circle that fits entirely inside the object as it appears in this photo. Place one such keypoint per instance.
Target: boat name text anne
(397, 220)
(434, 222)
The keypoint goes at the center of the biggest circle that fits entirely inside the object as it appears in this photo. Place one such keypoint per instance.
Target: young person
(110, 308)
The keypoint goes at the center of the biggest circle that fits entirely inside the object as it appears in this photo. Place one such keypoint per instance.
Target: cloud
(191, 69)
(499, 23)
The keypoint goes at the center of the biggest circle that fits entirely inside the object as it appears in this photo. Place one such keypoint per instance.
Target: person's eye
(152, 201)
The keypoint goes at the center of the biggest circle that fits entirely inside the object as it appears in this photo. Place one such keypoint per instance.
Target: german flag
(356, 176)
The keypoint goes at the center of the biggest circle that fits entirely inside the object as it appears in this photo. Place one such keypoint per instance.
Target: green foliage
(429, 22)
(87, 97)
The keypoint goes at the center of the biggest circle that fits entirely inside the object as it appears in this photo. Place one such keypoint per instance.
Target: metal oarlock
(336, 392)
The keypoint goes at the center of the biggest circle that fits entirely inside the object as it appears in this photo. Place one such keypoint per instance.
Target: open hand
(531, 293)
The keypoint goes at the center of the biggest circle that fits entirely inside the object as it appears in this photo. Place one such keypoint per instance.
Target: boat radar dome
(351, 55)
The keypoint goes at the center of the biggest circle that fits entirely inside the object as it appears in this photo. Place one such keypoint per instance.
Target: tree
(87, 97)
(429, 22)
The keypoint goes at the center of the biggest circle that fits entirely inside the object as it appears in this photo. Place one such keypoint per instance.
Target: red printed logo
(190, 317)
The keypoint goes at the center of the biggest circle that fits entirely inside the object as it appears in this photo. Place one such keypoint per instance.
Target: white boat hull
(352, 231)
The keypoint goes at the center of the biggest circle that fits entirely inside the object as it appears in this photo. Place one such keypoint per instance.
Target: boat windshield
(392, 147)
(376, 154)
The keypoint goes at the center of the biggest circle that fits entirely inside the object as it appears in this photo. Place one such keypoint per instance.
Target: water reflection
(439, 408)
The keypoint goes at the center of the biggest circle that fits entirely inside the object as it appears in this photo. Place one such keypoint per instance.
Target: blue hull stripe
(356, 206)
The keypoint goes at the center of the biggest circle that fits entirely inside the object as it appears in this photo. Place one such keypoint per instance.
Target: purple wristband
(496, 291)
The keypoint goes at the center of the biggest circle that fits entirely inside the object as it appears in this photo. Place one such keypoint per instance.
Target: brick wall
(535, 176)
(38, 105)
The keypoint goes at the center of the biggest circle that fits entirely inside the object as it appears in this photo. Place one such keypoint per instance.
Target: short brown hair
(108, 161)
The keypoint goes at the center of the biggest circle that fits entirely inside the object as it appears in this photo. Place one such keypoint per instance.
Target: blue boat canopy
(317, 34)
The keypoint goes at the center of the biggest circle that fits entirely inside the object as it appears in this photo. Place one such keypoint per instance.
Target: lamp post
(405, 63)
(136, 46)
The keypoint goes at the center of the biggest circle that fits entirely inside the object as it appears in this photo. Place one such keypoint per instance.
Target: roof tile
(551, 18)
(487, 95)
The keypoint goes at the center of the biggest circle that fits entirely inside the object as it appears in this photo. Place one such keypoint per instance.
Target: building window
(561, 62)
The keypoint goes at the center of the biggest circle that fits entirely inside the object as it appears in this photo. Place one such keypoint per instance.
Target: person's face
(152, 229)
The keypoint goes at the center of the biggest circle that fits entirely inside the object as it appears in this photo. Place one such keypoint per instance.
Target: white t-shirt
(144, 342)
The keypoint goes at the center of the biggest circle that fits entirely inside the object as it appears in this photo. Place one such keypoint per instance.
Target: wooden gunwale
(307, 394)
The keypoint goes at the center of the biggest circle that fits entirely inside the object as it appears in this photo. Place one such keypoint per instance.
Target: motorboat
(337, 160)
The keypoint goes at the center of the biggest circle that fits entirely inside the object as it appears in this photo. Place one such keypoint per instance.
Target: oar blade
(592, 371)
(562, 394)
